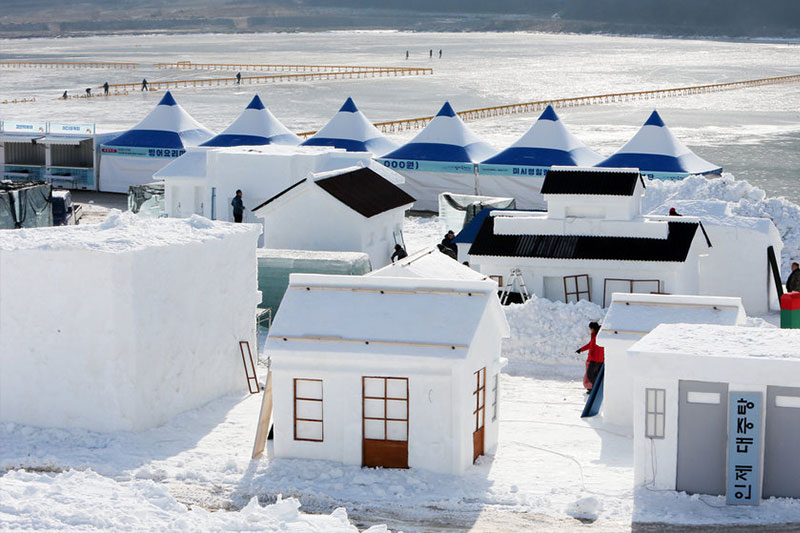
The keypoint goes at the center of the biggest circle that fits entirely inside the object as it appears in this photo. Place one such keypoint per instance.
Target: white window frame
(314, 421)
(495, 389)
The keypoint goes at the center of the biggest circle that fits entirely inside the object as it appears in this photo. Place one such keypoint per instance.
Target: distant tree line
(535, 7)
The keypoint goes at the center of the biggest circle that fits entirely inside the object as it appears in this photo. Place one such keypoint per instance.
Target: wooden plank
(264, 419)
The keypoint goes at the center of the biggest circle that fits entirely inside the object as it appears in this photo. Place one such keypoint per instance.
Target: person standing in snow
(406, 54)
(793, 282)
(430, 54)
(440, 53)
(399, 253)
(448, 246)
(105, 88)
(595, 358)
(238, 78)
(238, 206)
(144, 85)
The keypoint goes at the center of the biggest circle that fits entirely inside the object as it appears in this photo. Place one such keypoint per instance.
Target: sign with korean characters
(72, 129)
(744, 448)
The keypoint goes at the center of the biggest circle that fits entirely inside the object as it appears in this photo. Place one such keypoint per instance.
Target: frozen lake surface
(753, 133)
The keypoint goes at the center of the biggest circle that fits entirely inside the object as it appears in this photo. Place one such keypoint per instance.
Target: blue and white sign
(428, 166)
(72, 129)
(512, 170)
(24, 127)
(139, 151)
(744, 448)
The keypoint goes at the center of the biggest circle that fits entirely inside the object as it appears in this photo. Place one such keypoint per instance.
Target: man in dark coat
(399, 253)
(105, 88)
(238, 206)
(793, 283)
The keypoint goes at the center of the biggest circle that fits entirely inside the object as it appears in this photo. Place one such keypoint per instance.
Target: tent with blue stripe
(658, 154)
(254, 127)
(440, 158)
(134, 156)
(519, 170)
(350, 130)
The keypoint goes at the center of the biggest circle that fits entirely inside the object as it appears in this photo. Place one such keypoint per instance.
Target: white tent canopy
(133, 157)
(255, 126)
(658, 154)
(351, 130)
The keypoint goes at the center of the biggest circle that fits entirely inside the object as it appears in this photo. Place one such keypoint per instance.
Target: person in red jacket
(595, 358)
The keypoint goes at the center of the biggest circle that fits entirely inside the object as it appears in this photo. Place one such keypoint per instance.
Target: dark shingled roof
(674, 248)
(365, 192)
(587, 181)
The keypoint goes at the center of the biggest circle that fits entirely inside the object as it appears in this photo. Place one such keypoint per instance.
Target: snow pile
(588, 508)
(549, 332)
(743, 199)
(86, 501)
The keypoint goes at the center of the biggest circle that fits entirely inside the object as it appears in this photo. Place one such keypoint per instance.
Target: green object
(274, 267)
(790, 319)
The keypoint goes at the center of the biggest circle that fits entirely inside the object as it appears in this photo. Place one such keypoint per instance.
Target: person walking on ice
(238, 206)
(595, 358)
(144, 85)
(406, 54)
(105, 88)
(238, 78)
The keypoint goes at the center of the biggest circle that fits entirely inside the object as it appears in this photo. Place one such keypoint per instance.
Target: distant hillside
(729, 18)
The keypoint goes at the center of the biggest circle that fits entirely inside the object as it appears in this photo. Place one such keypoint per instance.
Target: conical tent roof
(655, 151)
(254, 126)
(350, 130)
(167, 126)
(545, 144)
(446, 138)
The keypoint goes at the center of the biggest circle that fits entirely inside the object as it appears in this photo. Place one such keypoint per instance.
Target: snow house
(632, 316)
(387, 372)
(592, 242)
(162, 136)
(429, 263)
(139, 343)
(440, 158)
(658, 154)
(716, 411)
(353, 209)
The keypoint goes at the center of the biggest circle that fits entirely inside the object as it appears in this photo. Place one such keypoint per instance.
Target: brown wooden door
(479, 402)
(385, 422)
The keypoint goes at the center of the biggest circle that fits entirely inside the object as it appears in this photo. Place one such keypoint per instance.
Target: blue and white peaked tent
(133, 157)
(658, 154)
(254, 127)
(519, 170)
(350, 130)
(441, 158)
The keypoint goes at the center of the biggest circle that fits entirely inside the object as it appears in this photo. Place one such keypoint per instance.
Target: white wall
(664, 371)
(155, 333)
(560, 206)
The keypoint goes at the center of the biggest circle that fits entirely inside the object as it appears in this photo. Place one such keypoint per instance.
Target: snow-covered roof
(254, 126)
(422, 317)
(445, 138)
(191, 164)
(166, 126)
(429, 263)
(654, 149)
(631, 316)
(121, 232)
(721, 341)
(715, 213)
(546, 143)
(351, 130)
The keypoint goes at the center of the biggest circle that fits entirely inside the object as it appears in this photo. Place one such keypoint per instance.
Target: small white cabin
(592, 242)
(717, 411)
(387, 372)
(348, 210)
(632, 316)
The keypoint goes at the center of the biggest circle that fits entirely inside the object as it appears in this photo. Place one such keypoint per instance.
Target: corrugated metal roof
(620, 182)
(365, 191)
(674, 248)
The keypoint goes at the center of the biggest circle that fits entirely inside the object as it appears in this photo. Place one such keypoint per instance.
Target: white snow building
(658, 154)
(157, 331)
(592, 241)
(717, 411)
(519, 170)
(441, 158)
(429, 263)
(387, 372)
(204, 180)
(737, 264)
(350, 130)
(253, 127)
(632, 316)
(347, 210)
